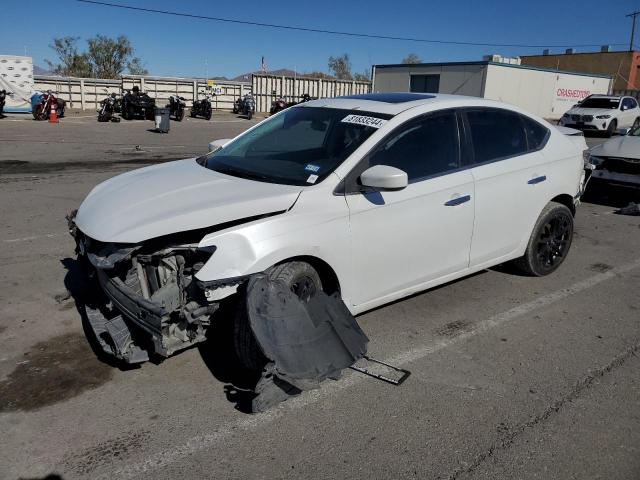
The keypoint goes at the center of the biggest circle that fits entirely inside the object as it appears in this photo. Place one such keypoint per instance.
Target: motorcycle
(138, 104)
(108, 109)
(245, 106)
(279, 104)
(201, 108)
(41, 105)
(176, 107)
(3, 96)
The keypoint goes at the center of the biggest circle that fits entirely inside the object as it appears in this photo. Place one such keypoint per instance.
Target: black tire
(611, 129)
(549, 243)
(103, 118)
(179, 115)
(40, 113)
(208, 114)
(249, 114)
(303, 280)
(192, 113)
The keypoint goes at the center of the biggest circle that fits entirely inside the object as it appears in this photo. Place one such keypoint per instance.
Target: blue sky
(181, 46)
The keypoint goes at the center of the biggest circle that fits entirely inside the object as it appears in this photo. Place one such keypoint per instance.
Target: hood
(624, 147)
(174, 197)
(592, 111)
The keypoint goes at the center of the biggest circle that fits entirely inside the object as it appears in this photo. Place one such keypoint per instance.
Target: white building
(547, 93)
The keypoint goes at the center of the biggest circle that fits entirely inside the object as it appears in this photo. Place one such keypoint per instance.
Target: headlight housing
(602, 117)
(595, 160)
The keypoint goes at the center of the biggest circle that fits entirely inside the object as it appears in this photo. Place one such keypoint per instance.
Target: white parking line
(202, 442)
(34, 237)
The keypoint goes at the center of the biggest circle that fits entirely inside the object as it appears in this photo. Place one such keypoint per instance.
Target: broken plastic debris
(631, 209)
(307, 342)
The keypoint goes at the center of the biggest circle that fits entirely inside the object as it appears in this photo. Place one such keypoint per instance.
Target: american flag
(263, 66)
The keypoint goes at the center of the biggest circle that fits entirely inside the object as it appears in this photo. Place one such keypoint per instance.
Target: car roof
(395, 102)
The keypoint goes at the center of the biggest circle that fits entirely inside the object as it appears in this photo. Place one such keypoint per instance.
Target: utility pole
(633, 28)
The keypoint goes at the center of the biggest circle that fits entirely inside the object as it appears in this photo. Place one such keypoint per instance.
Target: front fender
(311, 229)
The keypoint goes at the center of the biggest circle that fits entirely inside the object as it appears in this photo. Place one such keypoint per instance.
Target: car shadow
(218, 354)
(603, 193)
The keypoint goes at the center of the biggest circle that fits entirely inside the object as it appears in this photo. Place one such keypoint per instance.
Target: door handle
(539, 179)
(457, 201)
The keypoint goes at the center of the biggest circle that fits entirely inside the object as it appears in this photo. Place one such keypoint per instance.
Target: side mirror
(624, 131)
(218, 144)
(384, 177)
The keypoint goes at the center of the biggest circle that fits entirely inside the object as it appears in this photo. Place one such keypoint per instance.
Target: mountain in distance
(246, 77)
(37, 70)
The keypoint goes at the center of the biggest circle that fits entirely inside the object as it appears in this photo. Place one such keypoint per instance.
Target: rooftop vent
(605, 48)
(570, 51)
(545, 51)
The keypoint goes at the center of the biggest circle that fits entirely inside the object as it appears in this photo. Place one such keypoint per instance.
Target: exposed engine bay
(153, 286)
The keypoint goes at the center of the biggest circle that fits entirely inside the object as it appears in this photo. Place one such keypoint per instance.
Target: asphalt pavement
(511, 377)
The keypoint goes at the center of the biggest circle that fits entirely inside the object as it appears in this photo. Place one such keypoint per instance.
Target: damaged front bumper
(153, 303)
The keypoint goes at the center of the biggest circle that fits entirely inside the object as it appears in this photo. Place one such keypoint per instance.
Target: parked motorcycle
(245, 106)
(176, 107)
(202, 108)
(3, 96)
(41, 105)
(279, 104)
(136, 104)
(108, 109)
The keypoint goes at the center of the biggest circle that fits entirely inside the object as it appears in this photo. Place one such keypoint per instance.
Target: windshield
(300, 146)
(611, 103)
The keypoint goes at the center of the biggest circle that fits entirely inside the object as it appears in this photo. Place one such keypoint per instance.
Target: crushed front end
(153, 303)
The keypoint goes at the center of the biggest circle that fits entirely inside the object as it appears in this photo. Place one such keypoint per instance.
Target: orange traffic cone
(53, 116)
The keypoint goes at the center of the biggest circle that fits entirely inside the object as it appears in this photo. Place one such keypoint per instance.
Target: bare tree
(72, 63)
(341, 67)
(105, 57)
(109, 56)
(135, 67)
(362, 77)
(412, 58)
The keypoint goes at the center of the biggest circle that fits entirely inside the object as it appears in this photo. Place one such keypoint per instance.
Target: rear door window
(537, 134)
(496, 134)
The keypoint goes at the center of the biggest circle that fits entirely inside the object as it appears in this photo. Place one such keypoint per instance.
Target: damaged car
(617, 160)
(360, 200)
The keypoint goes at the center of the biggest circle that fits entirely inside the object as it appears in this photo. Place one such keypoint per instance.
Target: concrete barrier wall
(87, 93)
(266, 88)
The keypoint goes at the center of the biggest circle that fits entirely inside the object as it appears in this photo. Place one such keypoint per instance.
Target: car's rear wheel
(549, 243)
(302, 279)
(611, 129)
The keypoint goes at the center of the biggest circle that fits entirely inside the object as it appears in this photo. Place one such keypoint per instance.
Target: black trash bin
(162, 119)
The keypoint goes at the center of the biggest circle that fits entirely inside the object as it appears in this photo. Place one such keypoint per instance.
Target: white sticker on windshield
(365, 121)
(312, 178)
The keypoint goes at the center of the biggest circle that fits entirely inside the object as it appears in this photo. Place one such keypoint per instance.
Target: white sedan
(370, 197)
(618, 160)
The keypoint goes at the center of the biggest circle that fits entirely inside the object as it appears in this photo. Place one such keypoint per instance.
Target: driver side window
(422, 148)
